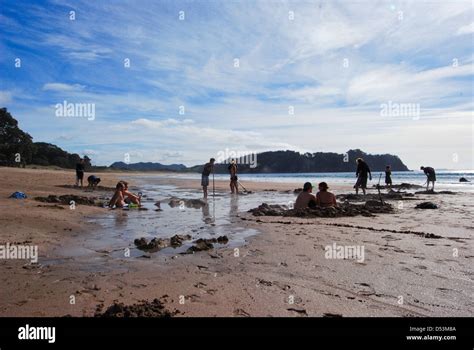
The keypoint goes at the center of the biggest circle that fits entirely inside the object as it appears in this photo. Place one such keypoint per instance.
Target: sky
(180, 81)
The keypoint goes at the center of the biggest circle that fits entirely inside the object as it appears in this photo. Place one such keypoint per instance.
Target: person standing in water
(208, 169)
(80, 172)
(430, 176)
(362, 172)
(388, 176)
(233, 177)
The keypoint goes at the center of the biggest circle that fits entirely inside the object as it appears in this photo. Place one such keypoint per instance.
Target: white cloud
(467, 29)
(90, 152)
(61, 87)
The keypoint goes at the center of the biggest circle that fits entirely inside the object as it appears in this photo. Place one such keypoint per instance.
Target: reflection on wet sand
(234, 206)
(121, 219)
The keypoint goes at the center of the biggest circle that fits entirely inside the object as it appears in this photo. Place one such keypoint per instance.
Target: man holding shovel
(234, 187)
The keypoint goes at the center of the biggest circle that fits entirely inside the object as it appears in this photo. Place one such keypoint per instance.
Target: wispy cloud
(63, 87)
(467, 29)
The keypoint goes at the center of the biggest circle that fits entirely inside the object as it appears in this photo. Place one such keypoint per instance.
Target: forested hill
(319, 162)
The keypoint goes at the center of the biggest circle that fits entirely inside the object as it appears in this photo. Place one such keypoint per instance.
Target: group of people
(323, 198)
(363, 173)
(209, 168)
(123, 197)
(326, 198)
(92, 180)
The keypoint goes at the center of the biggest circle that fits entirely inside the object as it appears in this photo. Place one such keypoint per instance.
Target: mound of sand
(157, 244)
(392, 195)
(402, 186)
(142, 309)
(434, 192)
(367, 209)
(68, 198)
(206, 244)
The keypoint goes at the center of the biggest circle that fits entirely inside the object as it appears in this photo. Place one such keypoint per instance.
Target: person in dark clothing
(388, 176)
(234, 188)
(93, 181)
(80, 172)
(362, 172)
(208, 169)
(430, 176)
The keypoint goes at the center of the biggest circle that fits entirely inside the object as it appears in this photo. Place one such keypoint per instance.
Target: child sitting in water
(118, 199)
(325, 198)
(129, 196)
(122, 196)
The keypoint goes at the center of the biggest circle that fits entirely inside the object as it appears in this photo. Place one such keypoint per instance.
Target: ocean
(446, 179)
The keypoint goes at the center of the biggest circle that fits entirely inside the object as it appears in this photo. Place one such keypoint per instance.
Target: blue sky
(334, 63)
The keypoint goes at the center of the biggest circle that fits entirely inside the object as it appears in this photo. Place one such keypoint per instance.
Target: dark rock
(177, 240)
(200, 245)
(463, 179)
(154, 245)
(427, 205)
(157, 244)
(222, 239)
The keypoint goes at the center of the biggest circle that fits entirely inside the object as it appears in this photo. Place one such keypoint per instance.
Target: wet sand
(280, 271)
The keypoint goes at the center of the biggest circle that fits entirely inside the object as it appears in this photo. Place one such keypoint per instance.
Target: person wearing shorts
(208, 168)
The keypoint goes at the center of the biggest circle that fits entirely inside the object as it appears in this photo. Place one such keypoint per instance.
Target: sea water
(445, 179)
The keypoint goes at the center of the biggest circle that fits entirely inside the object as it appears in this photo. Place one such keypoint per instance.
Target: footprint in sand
(301, 312)
(391, 238)
(265, 283)
(365, 289)
(200, 285)
(281, 285)
(240, 312)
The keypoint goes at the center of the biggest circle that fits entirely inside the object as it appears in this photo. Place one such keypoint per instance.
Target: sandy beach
(280, 271)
